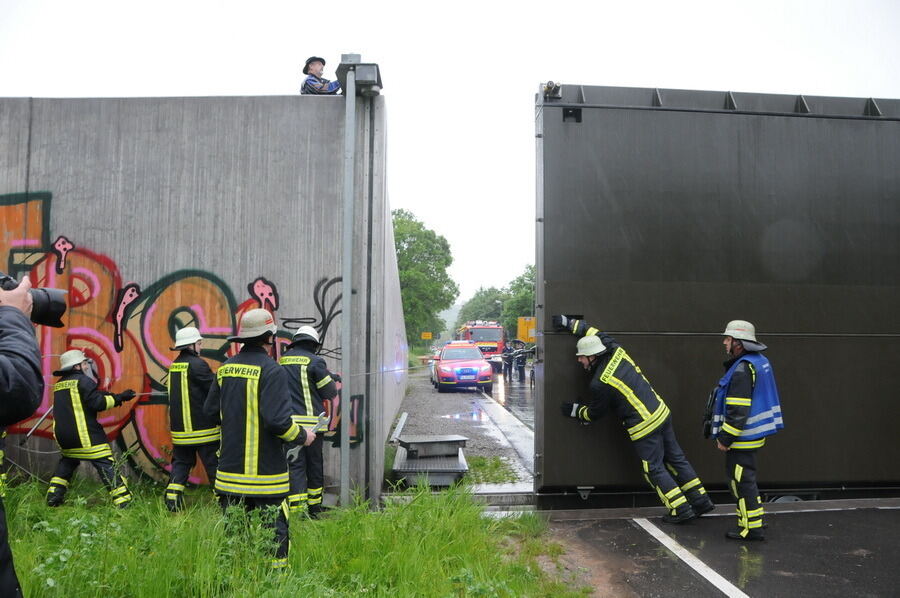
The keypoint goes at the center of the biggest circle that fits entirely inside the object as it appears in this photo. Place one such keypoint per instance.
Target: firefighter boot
(174, 498)
(314, 511)
(682, 516)
(747, 535)
(56, 494)
(701, 508)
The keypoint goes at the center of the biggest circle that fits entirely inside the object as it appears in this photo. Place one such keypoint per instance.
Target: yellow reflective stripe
(737, 401)
(731, 429)
(197, 436)
(316, 491)
(279, 563)
(248, 479)
(691, 484)
(91, 452)
(748, 444)
(291, 433)
(678, 502)
(582, 413)
(323, 382)
(738, 472)
(110, 401)
(119, 490)
(646, 466)
(574, 326)
(223, 486)
(304, 384)
(591, 331)
(659, 416)
(174, 486)
(251, 446)
(673, 492)
(239, 370)
(59, 481)
(755, 513)
(305, 420)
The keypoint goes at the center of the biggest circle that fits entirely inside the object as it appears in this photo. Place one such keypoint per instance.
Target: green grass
(489, 470)
(433, 545)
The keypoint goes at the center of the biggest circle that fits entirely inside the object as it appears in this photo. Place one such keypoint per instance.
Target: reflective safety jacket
(21, 380)
(76, 402)
(617, 382)
(250, 399)
(747, 407)
(189, 382)
(309, 382)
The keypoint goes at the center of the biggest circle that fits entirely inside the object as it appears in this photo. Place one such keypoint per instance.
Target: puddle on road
(475, 415)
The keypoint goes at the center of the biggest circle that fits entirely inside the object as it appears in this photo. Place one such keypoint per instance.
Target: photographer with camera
(21, 389)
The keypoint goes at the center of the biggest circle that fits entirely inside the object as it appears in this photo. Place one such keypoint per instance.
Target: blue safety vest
(765, 408)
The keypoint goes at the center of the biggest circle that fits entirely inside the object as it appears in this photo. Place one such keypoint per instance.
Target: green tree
(520, 301)
(485, 304)
(423, 257)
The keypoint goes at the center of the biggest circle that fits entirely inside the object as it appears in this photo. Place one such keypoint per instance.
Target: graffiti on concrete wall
(126, 328)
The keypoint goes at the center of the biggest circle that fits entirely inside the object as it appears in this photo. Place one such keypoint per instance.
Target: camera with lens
(49, 305)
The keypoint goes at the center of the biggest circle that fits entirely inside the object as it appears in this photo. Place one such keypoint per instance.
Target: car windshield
(462, 353)
(486, 334)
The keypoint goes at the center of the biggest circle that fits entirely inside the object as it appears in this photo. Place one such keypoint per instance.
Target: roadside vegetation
(432, 544)
(489, 470)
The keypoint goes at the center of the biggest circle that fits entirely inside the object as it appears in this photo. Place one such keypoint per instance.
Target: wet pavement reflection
(517, 397)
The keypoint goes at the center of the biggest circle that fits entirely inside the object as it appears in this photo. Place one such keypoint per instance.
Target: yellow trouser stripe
(691, 484)
(738, 473)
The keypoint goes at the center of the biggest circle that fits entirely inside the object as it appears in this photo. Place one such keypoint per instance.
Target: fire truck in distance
(488, 336)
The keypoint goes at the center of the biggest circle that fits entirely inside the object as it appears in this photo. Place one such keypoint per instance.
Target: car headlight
(447, 370)
(486, 367)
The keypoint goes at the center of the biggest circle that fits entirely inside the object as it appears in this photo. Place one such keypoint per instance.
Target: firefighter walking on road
(250, 398)
(194, 434)
(310, 384)
(76, 403)
(618, 383)
(746, 410)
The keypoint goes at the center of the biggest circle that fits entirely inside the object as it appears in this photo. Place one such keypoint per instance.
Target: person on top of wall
(617, 382)
(193, 432)
(314, 84)
(310, 384)
(251, 400)
(21, 389)
(76, 402)
(746, 410)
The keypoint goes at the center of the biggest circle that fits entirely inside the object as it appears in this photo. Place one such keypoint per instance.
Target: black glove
(336, 377)
(560, 322)
(125, 395)
(569, 409)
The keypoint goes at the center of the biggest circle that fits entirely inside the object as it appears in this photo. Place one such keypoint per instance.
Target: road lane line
(693, 562)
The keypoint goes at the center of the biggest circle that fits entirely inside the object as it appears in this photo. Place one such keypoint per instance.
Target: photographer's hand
(20, 298)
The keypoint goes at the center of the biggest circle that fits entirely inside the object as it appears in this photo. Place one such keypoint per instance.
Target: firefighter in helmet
(746, 410)
(618, 383)
(310, 384)
(76, 403)
(250, 398)
(194, 434)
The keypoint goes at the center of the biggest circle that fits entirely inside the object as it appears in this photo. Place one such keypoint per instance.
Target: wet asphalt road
(517, 397)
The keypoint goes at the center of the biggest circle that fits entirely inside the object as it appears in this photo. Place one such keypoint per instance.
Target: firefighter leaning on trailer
(76, 403)
(193, 432)
(617, 382)
(310, 383)
(746, 410)
(250, 399)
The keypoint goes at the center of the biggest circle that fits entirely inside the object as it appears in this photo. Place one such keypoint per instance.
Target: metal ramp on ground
(436, 460)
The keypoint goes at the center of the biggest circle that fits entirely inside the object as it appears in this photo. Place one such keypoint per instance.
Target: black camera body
(49, 305)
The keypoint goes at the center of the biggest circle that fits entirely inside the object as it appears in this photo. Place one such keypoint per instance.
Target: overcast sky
(459, 77)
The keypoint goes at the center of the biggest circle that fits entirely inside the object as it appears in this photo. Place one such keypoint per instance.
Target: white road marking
(693, 562)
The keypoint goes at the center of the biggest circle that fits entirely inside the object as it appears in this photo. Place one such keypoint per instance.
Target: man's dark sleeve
(737, 402)
(325, 385)
(203, 374)
(21, 380)
(275, 403)
(597, 406)
(582, 328)
(213, 404)
(92, 397)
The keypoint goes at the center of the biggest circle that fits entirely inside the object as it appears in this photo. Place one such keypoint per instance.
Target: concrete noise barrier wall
(157, 213)
(663, 214)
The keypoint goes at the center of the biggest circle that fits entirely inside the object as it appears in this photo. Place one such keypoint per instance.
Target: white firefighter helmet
(589, 345)
(306, 333)
(745, 332)
(186, 336)
(69, 360)
(255, 323)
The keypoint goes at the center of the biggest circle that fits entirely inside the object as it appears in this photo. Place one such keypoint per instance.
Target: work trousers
(308, 478)
(521, 370)
(507, 371)
(184, 457)
(274, 516)
(740, 466)
(668, 471)
(9, 583)
(114, 483)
